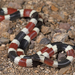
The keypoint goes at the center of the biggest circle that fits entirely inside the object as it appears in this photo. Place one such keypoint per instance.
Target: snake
(18, 47)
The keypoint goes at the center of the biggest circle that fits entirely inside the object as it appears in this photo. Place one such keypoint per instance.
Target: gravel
(55, 14)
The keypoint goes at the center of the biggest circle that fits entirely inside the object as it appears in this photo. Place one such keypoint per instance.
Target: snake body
(20, 43)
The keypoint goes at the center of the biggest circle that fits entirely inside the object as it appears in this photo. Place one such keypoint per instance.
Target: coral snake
(20, 43)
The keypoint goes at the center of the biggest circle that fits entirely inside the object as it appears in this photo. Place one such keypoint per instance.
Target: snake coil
(18, 46)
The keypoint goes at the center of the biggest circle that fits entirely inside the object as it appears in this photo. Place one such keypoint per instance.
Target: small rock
(72, 28)
(74, 73)
(32, 42)
(4, 40)
(4, 26)
(69, 42)
(73, 19)
(12, 36)
(64, 70)
(46, 72)
(54, 8)
(41, 68)
(36, 71)
(39, 9)
(57, 37)
(30, 2)
(10, 31)
(52, 27)
(19, 1)
(57, 17)
(63, 31)
(5, 72)
(5, 35)
(58, 31)
(65, 26)
(3, 45)
(71, 33)
(38, 39)
(49, 3)
(46, 10)
(17, 5)
(50, 19)
(1, 69)
(54, 56)
(65, 13)
(1, 48)
(45, 29)
(61, 56)
(31, 46)
(45, 41)
(28, 6)
(62, 14)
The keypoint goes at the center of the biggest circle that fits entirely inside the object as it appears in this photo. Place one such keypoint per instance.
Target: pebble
(39, 9)
(3, 45)
(12, 36)
(45, 29)
(72, 28)
(60, 37)
(28, 6)
(45, 41)
(46, 74)
(71, 42)
(4, 26)
(36, 71)
(61, 56)
(58, 31)
(1, 68)
(65, 13)
(64, 70)
(41, 68)
(65, 26)
(73, 18)
(50, 19)
(19, 1)
(5, 35)
(45, 10)
(10, 31)
(46, 71)
(54, 56)
(38, 39)
(4, 40)
(62, 14)
(1, 48)
(12, 4)
(71, 33)
(29, 2)
(31, 46)
(49, 3)
(5, 72)
(54, 8)
(63, 30)
(74, 73)
(57, 17)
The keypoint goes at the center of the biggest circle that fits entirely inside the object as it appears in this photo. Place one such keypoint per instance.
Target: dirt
(54, 12)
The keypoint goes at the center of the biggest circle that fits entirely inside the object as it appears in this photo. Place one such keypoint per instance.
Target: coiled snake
(21, 41)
